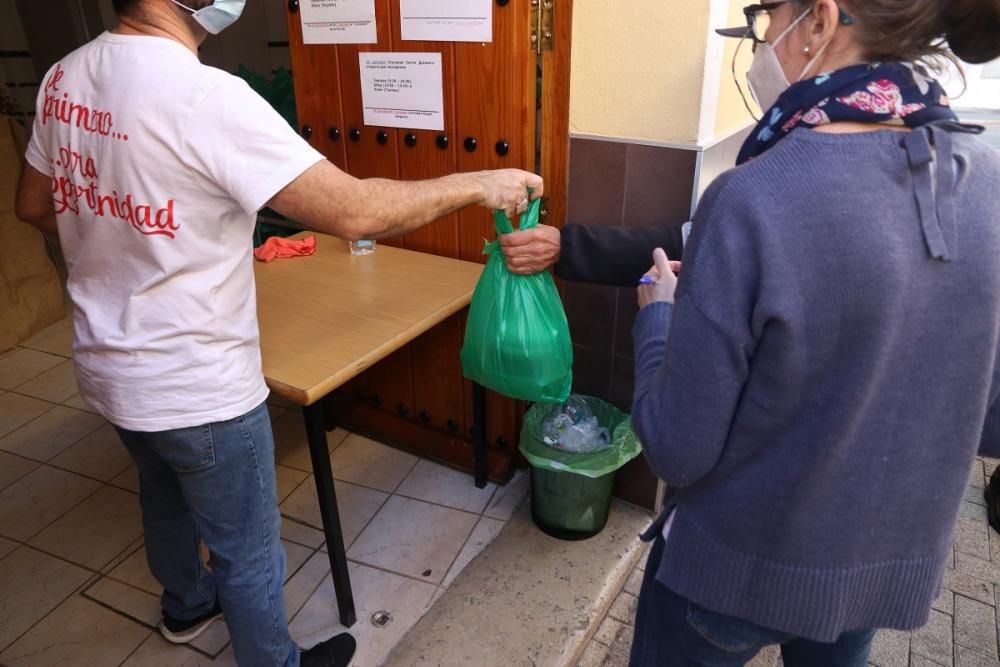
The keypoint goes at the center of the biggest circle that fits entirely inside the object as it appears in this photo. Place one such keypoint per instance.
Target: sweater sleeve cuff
(653, 321)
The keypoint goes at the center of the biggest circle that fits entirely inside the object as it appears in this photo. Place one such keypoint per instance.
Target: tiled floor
(74, 585)
(962, 631)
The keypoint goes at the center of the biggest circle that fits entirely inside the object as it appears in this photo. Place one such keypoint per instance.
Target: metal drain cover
(380, 619)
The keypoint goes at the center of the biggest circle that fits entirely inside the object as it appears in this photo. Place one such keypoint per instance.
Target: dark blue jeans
(217, 483)
(672, 631)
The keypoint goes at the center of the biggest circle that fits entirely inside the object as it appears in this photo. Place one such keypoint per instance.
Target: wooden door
(418, 398)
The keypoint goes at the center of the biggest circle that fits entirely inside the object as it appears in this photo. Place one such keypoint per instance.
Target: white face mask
(218, 16)
(766, 76)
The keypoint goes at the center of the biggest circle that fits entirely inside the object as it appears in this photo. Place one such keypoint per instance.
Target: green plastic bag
(517, 341)
(625, 445)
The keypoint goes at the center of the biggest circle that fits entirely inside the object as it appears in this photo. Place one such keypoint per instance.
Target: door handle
(471, 144)
(307, 132)
(293, 5)
(442, 141)
(334, 134)
(355, 135)
(503, 148)
(382, 138)
(410, 139)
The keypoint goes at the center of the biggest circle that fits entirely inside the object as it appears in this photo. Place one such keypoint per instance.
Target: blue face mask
(218, 16)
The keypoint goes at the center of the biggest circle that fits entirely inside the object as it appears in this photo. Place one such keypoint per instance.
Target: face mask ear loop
(736, 80)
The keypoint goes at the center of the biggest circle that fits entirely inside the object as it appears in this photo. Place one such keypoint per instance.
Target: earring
(806, 50)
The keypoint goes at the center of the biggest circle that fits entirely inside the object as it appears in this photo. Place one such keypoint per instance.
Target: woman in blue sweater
(817, 385)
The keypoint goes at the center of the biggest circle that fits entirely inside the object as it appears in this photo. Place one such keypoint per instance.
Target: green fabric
(517, 340)
(625, 445)
(279, 92)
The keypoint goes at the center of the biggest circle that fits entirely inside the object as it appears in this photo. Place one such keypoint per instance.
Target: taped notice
(447, 20)
(404, 90)
(338, 21)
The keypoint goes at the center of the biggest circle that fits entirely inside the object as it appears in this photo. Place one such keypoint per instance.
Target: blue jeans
(672, 631)
(217, 483)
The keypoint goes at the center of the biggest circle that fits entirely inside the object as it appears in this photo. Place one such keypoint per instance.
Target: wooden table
(324, 319)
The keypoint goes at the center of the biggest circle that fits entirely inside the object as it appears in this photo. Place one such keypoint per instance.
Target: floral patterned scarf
(887, 93)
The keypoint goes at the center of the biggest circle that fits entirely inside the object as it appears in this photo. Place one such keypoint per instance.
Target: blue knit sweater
(831, 367)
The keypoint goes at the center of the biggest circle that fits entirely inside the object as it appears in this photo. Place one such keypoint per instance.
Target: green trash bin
(571, 493)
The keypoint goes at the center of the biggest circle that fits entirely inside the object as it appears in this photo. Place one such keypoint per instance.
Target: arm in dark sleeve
(614, 256)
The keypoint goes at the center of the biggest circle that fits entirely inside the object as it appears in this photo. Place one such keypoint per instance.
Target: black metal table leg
(479, 433)
(323, 473)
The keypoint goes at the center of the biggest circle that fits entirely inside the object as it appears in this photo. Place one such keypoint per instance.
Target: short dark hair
(124, 6)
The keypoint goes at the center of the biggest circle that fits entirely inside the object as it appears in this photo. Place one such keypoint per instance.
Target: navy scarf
(887, 93)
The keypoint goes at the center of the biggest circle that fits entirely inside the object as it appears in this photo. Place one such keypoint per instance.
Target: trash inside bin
(571, 492)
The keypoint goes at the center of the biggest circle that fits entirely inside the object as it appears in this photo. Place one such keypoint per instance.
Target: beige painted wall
(731, 114)
(638, 72)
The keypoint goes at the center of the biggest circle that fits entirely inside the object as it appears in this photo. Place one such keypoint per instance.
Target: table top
(324, 319)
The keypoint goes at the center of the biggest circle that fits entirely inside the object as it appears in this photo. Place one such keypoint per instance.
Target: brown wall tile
(591, 312)
(658, 185)
(628, 309)
(591, 372)
(596, 182)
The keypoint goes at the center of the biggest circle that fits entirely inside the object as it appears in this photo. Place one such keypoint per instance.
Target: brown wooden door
(418, 398)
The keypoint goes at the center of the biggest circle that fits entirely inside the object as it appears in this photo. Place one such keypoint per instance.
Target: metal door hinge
(542, 24)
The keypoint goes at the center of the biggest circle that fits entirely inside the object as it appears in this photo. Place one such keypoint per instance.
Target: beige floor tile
(295, 556)
(303, 583)
(509, 498)
(213, 640)
(288, 480)
(293, 531)
(13, 468)
(484, 533)
(6, 546)
(17, 410)
(51, 433)
(24, 365)
(135, 571)
(128, 479)
(291, 445)
(403, 599)
(158, 652)
(356, 503)
(76, 401)
(132, 602)
(39, 498)
(31, 585)
(96, 530)
(100, 455)
(595, 655)
(369, 463)
(437, 484)
(414, 538)
(78, 632)
(57, 384)
(57, 338)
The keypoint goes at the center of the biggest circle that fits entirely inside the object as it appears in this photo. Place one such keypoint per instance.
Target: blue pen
(647, 280)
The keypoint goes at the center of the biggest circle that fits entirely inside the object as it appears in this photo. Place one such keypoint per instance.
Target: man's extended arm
(328, 200)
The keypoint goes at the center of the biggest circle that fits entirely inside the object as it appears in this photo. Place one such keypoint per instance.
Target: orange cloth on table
(277, 247)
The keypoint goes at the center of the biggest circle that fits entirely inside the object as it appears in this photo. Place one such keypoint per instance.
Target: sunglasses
(758, 18)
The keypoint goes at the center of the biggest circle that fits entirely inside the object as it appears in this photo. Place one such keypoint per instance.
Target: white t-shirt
(159, 166)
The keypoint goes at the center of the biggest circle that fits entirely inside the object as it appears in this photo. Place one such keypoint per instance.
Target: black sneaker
(992, 496)
(334, 652)
(182, 632)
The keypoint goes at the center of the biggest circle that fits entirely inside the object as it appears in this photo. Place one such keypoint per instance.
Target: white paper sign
(404, 90)
(338, 21)
(447, 20)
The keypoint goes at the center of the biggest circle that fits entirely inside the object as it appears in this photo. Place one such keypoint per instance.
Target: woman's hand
(531, 251)
(660, 281)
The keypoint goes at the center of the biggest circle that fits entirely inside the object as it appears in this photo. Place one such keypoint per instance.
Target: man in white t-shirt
(151, 168)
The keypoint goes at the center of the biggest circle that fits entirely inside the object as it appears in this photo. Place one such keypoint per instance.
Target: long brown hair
(926, 30)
